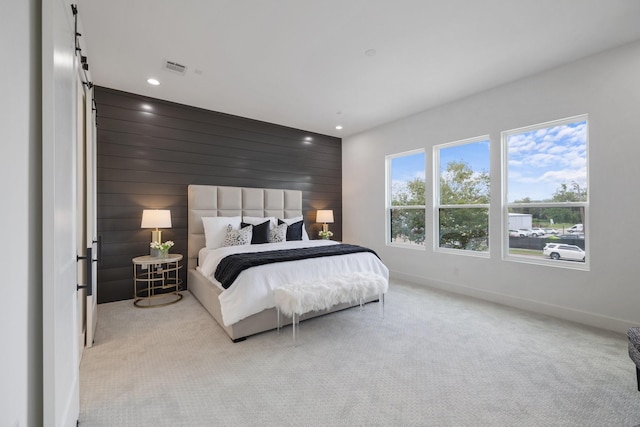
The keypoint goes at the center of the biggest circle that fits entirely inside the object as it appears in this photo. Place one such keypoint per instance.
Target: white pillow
(290, 221)
(257, 220)
(215, 229)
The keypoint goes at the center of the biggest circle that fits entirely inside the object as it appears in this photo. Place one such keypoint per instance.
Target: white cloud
(540, 161)
(561, 176)
(558, 149)
(521, 146)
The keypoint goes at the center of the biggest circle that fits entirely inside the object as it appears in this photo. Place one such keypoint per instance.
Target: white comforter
(252, 291)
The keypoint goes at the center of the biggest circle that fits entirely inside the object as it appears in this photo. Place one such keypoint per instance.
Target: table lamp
(156, 218)
(324, 216)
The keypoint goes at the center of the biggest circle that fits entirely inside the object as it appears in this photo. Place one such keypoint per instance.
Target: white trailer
(519, 221)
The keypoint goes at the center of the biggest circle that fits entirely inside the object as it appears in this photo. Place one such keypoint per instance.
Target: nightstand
(152, 275)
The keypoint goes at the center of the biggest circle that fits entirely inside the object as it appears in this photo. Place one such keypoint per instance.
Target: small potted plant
(160, 250)
(325, 234)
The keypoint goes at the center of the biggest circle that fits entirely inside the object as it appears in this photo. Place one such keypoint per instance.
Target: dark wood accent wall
(150, 150)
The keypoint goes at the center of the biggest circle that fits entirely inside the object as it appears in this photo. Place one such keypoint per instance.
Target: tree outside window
(406, 198)
(462, 195)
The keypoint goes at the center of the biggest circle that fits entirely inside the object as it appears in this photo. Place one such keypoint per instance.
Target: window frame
(506, 205)
(437, 205)
(389, 205)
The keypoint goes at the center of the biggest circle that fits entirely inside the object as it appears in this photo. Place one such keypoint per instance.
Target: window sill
(408, 246)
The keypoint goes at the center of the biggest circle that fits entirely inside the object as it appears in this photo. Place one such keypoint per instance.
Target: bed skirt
(207, 294)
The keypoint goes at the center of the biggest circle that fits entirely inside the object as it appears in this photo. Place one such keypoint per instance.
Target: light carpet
(436, 359)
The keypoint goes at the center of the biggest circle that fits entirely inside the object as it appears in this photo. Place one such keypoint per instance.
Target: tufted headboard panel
(213, 200)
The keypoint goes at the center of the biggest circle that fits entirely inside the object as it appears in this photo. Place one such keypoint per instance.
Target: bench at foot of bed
(295, 299)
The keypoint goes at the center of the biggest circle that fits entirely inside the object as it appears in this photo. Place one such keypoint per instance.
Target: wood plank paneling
(150, 150)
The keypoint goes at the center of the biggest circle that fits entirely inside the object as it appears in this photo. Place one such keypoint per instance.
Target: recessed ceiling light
(338, 127)
(153, 82)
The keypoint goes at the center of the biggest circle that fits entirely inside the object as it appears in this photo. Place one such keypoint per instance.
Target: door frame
(91, 211)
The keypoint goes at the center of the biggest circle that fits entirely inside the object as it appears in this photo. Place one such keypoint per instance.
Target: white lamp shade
(324, 216)
(156, 218)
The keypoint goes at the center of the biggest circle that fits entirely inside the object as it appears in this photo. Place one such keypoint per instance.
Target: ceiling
(315, 64)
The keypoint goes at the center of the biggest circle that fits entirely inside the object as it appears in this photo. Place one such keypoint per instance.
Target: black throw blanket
(231, 266)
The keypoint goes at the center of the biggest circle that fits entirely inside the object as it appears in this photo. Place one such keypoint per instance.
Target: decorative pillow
(278, 234)
(260, 232)
(238, 237)
(215, 229)
(294, 230)
(257, 220)
(295, 219)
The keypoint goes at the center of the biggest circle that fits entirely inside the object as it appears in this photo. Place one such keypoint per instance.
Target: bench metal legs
(296, 322)
(380, 301)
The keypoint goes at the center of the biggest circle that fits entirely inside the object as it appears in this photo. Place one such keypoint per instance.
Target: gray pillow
(278, 234)
(238, 237)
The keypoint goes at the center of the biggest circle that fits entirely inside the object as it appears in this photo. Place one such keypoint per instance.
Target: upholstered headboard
(213, 200)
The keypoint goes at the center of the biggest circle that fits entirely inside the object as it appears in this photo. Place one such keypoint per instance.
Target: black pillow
(260, 232)
(294, 231)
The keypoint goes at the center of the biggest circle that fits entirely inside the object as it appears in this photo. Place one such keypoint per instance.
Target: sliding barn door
(60, 370)
(81, 218)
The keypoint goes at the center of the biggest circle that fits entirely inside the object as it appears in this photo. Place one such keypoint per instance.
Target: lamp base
(325, 227)
(156, 236)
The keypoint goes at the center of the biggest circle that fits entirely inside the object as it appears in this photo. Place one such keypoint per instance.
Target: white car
(562, 251)
(514, 233)
(577, 228)
(551, 231)
(525, 232)
(535, 232)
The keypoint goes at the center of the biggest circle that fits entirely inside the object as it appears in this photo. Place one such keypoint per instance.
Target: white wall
(20, 162)
(605, 86)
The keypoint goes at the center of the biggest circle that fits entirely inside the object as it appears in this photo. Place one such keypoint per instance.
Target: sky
(406, 168)
(541, 160)
(475, 155)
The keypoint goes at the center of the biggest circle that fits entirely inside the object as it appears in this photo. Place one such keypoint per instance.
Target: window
(546, 189)
(406, 199)
(461, 195)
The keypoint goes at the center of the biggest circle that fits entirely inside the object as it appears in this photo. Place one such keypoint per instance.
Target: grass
(530, 252)
(560, 227)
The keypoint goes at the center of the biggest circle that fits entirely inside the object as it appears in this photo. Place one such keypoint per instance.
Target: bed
(220, 204)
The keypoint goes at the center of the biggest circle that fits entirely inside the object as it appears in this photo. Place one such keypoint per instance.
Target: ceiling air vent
(174, 67)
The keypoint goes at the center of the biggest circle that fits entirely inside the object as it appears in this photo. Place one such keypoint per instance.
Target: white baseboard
(565, 313)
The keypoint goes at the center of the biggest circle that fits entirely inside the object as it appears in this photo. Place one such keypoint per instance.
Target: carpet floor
(436, 359)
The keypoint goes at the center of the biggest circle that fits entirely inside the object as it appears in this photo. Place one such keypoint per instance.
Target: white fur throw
(300, 298)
